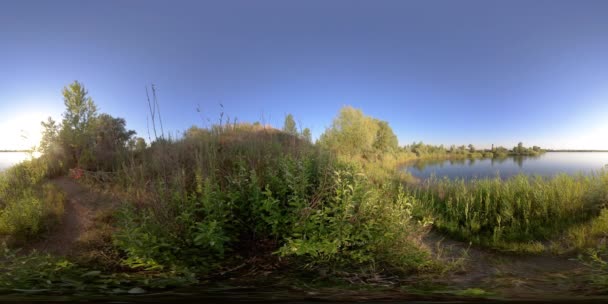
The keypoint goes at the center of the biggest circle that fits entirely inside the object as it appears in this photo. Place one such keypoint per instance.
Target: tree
(306, 135)
(110, 140)
(111, 133)
(50, 147)
(351, 133)
(520, 147)
(77, 121)
(290, 125)
(140, 144)
(50, 136)
(471, 148)
(386, 140)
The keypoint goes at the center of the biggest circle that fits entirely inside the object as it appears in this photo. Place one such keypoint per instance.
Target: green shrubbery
(502, 213)
(264, 187)
(37, 273)
(28, 206)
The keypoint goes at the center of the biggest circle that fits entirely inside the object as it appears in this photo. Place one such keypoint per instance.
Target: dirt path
(509, 275)
(80, 208)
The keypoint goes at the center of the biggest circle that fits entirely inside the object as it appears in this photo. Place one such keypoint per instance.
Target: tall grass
(504, 213)
(29, 206)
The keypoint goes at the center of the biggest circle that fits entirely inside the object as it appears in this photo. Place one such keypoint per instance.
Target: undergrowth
(517, 214)
(322, 212)
(36, 273)
(29, 206)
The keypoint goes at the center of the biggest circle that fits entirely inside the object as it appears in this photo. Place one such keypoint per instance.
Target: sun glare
(22, 131)
(595, 138)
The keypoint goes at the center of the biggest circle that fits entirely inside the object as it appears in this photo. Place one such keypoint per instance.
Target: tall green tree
(289, 126)
(386, 140)
(77, 122)
(306, 135)
(351, 133)
(111, 137)
(80, 108)
(50, 136)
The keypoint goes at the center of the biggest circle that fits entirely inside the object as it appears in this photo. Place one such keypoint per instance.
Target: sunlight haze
(21, 132)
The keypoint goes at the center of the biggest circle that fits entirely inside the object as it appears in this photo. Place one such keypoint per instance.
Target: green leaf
(136, 290)
(93, 273)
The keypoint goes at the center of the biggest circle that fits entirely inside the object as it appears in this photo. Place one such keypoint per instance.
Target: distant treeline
(424, 150)
(15, 151)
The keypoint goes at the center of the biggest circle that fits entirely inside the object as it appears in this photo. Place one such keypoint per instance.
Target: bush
(42, 273)
(28, 207)
(32, 212)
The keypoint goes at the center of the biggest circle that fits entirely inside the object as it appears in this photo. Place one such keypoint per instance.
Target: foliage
(386, 140)
(522, 209)
(289, 126)
(37, 273)
(111, 137)
(77, 122)
(357, 226)
(351, 133)
(137, 144)
(28, 207)
(261, 190)
(306, 135)
(85, 138)
(521, 150)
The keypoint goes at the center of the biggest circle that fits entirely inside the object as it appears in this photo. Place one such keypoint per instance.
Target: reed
(502, 213)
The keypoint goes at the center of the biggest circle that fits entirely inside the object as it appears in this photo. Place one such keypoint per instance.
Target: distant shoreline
(1, 151)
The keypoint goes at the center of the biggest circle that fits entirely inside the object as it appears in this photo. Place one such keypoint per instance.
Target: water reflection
(547, 164)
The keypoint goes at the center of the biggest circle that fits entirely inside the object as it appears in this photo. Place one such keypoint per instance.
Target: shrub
(28, 207)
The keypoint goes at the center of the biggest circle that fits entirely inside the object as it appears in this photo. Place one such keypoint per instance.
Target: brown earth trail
(514, 276)
(81, 206)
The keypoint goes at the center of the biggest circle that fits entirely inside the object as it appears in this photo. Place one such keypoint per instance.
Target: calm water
(547, 164)
(8, 159)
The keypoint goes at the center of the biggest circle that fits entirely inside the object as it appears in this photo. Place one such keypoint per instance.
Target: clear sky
(444, 72)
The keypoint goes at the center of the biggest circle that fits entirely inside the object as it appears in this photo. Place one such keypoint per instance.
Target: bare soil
(509, 275)
(81, 206)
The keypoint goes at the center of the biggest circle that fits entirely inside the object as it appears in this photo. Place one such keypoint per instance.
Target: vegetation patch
(514, 214)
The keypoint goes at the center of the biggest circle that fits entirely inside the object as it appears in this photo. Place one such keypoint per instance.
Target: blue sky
(444, 72)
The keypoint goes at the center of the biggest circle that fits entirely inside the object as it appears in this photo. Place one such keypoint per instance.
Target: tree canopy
(353, 133)
(84, 138)
(290, 125)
